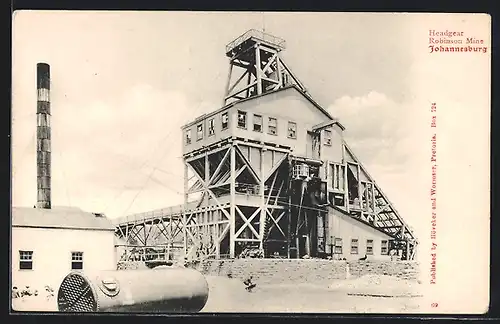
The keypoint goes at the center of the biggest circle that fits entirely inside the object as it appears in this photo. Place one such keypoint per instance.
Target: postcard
(250, 162)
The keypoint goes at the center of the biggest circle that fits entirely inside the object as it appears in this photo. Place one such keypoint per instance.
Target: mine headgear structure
(265, 173)
(266, 183)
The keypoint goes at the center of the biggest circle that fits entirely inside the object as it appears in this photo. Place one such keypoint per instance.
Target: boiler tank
(162, 290)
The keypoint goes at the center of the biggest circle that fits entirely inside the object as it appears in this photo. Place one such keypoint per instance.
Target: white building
(352, 238)
(47, 244)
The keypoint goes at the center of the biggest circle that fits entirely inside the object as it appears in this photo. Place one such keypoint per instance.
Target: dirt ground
(343, 296)
(229, 295)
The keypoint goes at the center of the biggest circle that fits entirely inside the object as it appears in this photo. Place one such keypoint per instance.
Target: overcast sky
(123, 83)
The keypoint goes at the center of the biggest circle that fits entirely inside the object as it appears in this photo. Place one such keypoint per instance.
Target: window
(369, 246)
(384, 250)
(292, 130)
(354, 246)
(337, 177)
(199, 132)
(211, 127)
(328, 137)
(257, 123)
(25, 260)
(76, 260)
(188, 136)
(225, 121)
(273, 126)
(338, 246)
(242, 119)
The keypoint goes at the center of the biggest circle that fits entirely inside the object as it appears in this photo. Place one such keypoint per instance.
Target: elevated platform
(252, 36)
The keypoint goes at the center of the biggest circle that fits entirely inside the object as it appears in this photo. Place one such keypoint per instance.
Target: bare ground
(343, 296)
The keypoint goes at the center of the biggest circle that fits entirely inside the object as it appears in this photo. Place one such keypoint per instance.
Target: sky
(123, 83)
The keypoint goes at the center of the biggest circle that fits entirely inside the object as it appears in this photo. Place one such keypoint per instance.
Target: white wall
(347, 228)
(52, 254)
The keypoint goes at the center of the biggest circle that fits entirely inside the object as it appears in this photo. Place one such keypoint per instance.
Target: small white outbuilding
(47, 244)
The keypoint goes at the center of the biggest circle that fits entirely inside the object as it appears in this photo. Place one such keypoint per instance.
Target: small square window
(354, 246)
(76, 260)
(257, 123)
(199, 132)
(338, 246)
(188, 136)
(211, 127)
(273, 126)
(242, 119)
(328, 137)
(26, 260)
(384, 249)
(292, 130)
(369, 246)
(225, 121)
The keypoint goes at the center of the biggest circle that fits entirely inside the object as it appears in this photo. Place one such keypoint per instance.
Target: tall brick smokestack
(43, 158)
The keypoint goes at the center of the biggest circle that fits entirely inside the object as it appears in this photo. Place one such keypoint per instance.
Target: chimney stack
(43, 158)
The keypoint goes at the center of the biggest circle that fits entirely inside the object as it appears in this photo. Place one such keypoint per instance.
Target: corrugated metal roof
(59, 217)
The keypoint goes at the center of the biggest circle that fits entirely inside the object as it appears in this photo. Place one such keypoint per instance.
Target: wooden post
(232, 210)
(346, 187)
(258, 69)
(217, 233)
(360, 198)
(184, 220)
(228, 82)
(206, 228)
(278, 71)
(289, 209)
(263, 207)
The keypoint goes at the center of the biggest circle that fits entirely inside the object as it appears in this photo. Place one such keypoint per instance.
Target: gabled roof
(59, 217)
(322, 125)
(345, 213)
(308, 97)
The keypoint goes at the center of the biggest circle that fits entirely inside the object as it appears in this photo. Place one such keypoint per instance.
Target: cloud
(376, 128)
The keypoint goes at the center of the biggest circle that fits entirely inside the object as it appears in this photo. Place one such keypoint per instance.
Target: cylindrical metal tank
(162, 290)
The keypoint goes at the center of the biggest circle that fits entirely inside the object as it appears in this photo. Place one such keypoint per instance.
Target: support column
(289, 209)
(375, 217)
(207, 233)
(262, 222)
(360, 199)
(217, 233)
(184, 227)
(258, 69)
(232, 210)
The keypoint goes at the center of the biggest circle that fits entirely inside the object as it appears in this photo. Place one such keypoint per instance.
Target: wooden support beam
(272, 59)
(276, 166)
(232, 211)
(228, 81)
(297, 81)
(267, 147)
(219, 167)
(245, 161)
(270, 80)
(276, 222)
(262, 221)
(243, 89)
(247, 222)
(238, 81)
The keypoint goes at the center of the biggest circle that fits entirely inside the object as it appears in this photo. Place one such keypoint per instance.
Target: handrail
(279, 42)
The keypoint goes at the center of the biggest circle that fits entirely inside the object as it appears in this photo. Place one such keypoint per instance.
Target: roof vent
(98, 214)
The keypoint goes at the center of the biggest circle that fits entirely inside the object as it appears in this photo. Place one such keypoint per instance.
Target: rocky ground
(368, 294)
